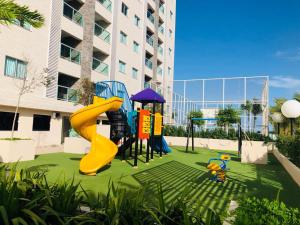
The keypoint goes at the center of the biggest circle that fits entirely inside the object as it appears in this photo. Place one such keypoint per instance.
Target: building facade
(131, 41)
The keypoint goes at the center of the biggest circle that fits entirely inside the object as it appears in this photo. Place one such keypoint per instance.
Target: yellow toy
(83, 121)
(218, 171)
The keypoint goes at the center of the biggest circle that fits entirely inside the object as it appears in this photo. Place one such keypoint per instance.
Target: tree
(247, 108)
(11, 11)
(228, 116)
(28, 84)
(85, 91)
(256, 110)
(197, 114)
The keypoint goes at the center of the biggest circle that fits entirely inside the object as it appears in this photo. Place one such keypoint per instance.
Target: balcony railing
(161, 29)
(149, 63)
(106, 3)
(66, 94)
(159, 71)
(72, 14)
(149, 40)
(160, 50)
(150, 16)
(70, 53)
(102, 33)
(162, 9)
(100, 66)
(147, 85)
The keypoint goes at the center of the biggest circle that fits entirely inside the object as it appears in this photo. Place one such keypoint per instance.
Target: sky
(225, 38)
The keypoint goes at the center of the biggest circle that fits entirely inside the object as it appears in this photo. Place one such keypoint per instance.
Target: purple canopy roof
(147, 95)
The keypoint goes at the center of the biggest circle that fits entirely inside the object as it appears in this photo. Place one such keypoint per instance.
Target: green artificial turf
(176, 172)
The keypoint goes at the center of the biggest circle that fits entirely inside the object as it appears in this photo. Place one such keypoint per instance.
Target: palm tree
(247, 108)
(11, 11)
(256, 110)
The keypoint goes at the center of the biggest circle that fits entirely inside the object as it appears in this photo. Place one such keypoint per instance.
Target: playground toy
(83, 121)
(218, 171)
(127, 126)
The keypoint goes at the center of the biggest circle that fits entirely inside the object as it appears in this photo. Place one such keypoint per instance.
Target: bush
(256, 211)
(27, 198)
(290, 147)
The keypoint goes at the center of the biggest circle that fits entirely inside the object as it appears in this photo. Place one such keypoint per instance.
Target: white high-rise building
(131, 41)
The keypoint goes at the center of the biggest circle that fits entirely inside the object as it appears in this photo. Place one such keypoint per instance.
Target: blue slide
(165, 146)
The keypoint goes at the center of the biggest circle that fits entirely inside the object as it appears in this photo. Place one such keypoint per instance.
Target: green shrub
(256, 211)
(289, 146)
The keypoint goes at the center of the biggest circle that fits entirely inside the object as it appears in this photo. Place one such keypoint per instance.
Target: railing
(101, 33)
(150, 16)
(160, 50)
(106, 3)
(149, 40)
(66, 94)
(70, 53)
(162, 9)
(72, 14)
(161, 29)
(100, 66)
(147, 85)
(148, 63)
(159, 71)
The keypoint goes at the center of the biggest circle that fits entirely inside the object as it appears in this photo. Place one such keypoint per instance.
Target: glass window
(171, 15)
(15, 68)
(25, 25)
(170, 51)
(41, 122)
(6, 121)
(124, 9)
(137, 20)
(169, 71)
(136, 47)
(123, 38)
(170, 33)
(122, 67)
(134, 73)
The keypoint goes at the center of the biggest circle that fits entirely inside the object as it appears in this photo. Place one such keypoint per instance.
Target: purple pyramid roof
(148, 95)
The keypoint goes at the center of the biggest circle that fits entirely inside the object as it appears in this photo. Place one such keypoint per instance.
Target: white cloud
(291, 55)
(285, 82)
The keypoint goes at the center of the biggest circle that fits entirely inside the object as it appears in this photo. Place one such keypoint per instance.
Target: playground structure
(210, 95)
(128, 126)
(218, 170)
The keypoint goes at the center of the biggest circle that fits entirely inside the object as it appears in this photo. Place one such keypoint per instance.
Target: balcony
(159, 71)
(160, 50)
(66, 94)
(100, 67)
(148, 63)
(161, 29)
(147, 85)
(150, 40)
(150, 17)
(162, 9)
(102, 33)
(70, 54)
(72, 14)
(106, 3)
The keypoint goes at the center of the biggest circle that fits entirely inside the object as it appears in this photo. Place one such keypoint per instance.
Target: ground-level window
(6, 121)
(41, 122)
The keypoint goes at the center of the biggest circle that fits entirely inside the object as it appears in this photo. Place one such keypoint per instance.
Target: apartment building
(131, 41)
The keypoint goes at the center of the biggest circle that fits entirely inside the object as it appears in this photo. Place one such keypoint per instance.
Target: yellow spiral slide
(83, 121)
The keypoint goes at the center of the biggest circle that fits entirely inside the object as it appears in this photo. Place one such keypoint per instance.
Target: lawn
(177, 172)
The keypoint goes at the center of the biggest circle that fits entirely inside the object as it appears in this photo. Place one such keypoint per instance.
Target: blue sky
(221, 38)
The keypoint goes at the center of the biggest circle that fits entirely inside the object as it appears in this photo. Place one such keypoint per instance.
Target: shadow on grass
(42, 167)
(176, 177)
(190, 151)
(75, 158)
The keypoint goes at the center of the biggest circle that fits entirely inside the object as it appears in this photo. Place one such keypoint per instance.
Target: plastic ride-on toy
(218, 169)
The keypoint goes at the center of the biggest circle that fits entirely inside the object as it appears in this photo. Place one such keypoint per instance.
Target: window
(171, 15)
(169, 71)
(6, 121)
(170, 33)
(134, 73)
(136, 47)
(15, 68)
(137, 20)
(170, 51)
(122, 67)
(25, 25)
(41, 123)
(124, 9)
(123, 38)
